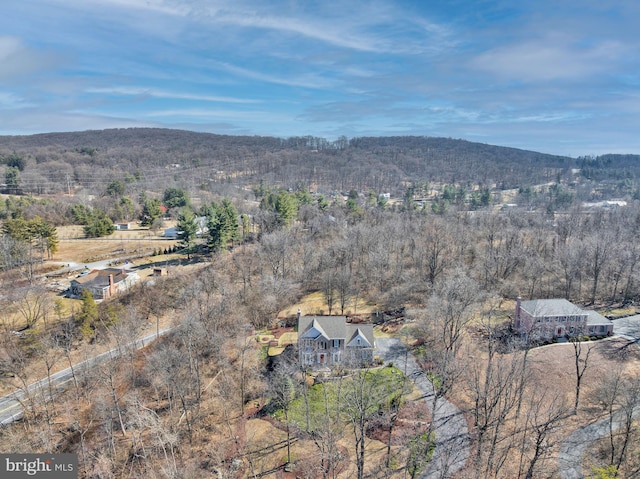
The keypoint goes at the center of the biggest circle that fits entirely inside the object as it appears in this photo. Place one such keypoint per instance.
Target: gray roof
(561, 307)
(363, 330)
(596, 319)
(334, 327)
(551, 307)
(99, 278)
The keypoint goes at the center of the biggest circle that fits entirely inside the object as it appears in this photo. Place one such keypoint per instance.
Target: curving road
(11, 404)
(452, 435)
(572, 449)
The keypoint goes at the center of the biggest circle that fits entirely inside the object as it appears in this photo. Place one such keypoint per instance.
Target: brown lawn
(73, 247)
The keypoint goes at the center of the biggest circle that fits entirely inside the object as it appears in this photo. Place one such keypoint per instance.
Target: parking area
(628, 327)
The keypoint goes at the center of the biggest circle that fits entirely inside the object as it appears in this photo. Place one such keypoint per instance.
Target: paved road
(70, 267)
(11, 404)
(452, 435)
(628, 327)
(572, 449)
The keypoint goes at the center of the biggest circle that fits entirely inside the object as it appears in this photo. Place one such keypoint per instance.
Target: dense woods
(290, 217)
(153, 159)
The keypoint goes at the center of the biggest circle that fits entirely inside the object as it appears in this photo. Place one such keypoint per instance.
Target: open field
(73, 247)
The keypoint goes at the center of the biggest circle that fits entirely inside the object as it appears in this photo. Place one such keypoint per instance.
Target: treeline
(60, 162)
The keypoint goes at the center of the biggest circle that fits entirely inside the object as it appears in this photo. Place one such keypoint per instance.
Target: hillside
(441, 265)
(93, 158)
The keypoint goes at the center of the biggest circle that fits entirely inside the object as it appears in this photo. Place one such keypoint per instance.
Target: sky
(555, 76)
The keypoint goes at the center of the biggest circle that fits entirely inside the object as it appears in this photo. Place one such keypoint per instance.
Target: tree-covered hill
(93, 158)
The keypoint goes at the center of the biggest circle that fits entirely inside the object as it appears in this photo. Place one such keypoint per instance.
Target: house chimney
(299, 313)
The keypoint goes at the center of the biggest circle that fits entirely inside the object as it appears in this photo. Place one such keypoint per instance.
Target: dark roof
(99, 278)
(333, 327)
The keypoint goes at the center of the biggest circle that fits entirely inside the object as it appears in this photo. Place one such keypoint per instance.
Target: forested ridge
(384, 163)
(465, 230)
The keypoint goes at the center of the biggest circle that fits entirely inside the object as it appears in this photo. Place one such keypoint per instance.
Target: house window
(336, 343)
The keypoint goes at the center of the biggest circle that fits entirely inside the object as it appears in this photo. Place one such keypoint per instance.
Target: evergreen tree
(88, 314)
(187, 230)
(99, 224)
(35, 231)
(175, 198)
(286, 208)
(150, 211)
(223, 224)
(12, 180)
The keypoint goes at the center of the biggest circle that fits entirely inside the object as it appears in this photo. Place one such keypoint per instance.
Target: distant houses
(201, 221)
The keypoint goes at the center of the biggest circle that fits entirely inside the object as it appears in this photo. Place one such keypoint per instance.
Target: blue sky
(553, 76)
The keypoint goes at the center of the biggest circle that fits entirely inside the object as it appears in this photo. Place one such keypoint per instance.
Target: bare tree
(606, 396)
(545, 414)
(282, 393)
(451, 308)
(619, 397)
(343, 286)
(598, 255)
(327, 431)
(364, 393)
(34, 304)
(581, 354)
(329, 288)
(496, 388)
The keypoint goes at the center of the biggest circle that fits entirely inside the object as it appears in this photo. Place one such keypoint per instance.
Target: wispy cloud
(541, 75)
(157, 93)
(552, 57)
(306, 80)
(203, 113)
(325, 32)
(10, 100)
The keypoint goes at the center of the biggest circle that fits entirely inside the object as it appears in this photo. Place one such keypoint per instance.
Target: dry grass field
(73, 247)
(315, 303)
